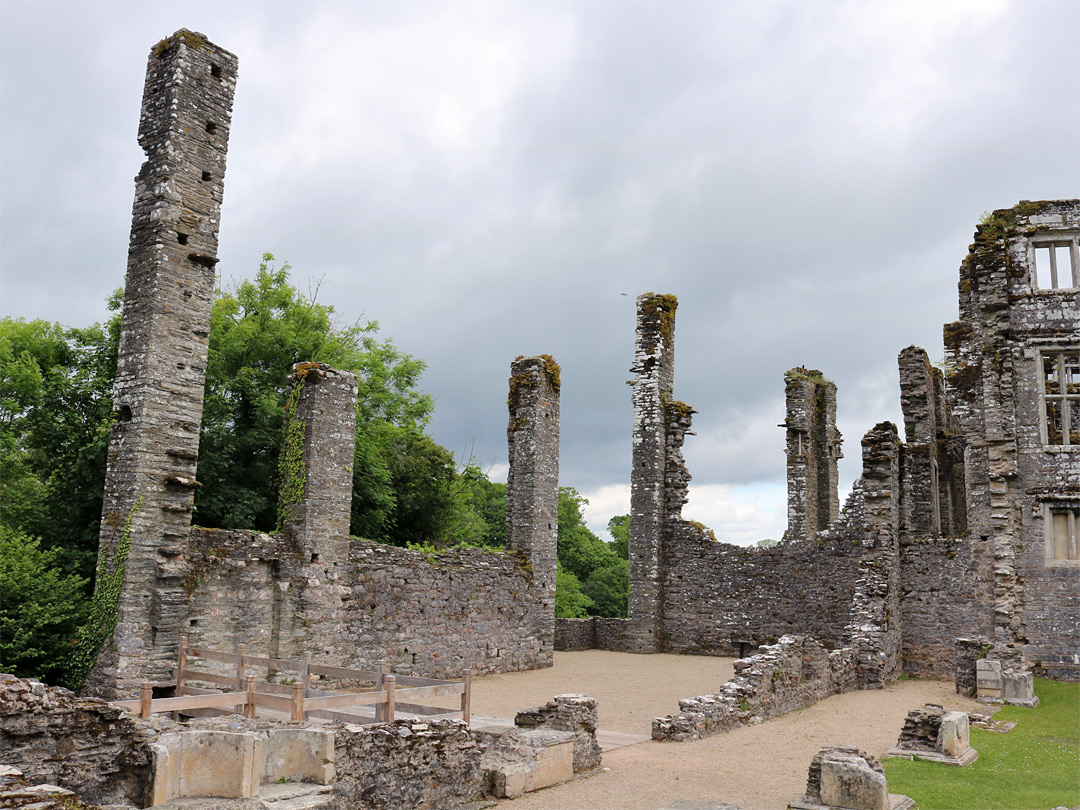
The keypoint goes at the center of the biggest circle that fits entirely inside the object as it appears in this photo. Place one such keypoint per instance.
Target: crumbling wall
(793, 673)
(82, 744)
(405, 765)
(813, 450)
(158, 390)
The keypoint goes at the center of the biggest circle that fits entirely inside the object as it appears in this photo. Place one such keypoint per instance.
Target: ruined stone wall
(82, 744)
(813, 450)
(999, 355)
(946, 585)
(793, 673)
(158, 390)
(593, 633)
(432, 615)
(654, 370)
(532, 485)
(405, 765)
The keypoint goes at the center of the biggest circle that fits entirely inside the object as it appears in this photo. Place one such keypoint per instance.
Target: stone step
(295, 796)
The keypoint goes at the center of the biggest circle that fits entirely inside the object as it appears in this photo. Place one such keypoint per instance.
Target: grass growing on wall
(1036, 766)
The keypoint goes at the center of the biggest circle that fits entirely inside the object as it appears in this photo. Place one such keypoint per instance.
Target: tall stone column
(813, 449)
(532, 485)
(315, 502)
(652, 386)
(158, 390)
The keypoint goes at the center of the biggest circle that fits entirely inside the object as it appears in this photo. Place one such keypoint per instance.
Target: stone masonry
(158, 390)
(532, 485)
(654, 370)
(813, 450)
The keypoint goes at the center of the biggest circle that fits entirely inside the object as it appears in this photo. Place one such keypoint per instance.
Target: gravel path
(758, 768)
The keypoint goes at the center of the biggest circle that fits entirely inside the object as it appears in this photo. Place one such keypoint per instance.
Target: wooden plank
(279, 702)
(212, 655)
(447, 690)
(210, 677)
(419, 708)
(409, 680)
(179, 704)
(328, 671)
(272, 663)
(339, 716)
(345, 699)
(196, 690)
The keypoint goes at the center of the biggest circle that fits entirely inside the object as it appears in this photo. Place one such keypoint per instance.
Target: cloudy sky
(489, 179)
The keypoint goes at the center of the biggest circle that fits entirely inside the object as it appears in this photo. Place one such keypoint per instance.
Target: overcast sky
(495, 179)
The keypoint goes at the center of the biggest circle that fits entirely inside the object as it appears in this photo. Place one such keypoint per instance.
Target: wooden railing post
(249, 706)
(305, 674)
(378, 688)
(466, 697)
(181, 665)
(146, 700)
(388, 683)
(297, 703)
(240, 650)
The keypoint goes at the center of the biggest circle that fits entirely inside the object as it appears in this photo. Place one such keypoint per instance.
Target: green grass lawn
(1036, 766)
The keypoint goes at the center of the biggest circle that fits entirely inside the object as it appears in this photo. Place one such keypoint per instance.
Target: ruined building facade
(964, 527)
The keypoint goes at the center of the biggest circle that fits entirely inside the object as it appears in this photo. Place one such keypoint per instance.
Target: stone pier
(158, 390)
(813, 449)
(532, 485)
(653, 383)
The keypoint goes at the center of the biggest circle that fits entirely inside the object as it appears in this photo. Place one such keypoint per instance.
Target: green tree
(478, 517)
(41, 609)
(570, 601)
(619, 529)
(259, 329)
(580, 551)
(609, 589)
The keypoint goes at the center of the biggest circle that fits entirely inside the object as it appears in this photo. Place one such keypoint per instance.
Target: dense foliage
(592, 574)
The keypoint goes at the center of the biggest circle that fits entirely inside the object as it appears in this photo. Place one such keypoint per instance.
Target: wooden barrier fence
(393, 694)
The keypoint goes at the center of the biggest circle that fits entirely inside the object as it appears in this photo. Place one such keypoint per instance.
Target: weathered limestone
(158, 389)
(999, 681)
(520, 761)
(572, 713)
(654, 370)
(82, 744)
(532, 485)
(934, 734)
(813, 450)
(845, 778)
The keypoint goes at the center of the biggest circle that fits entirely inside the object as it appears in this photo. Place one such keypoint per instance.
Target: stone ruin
(842, 777)
(934, 734)
(964, 527)
(309, 589)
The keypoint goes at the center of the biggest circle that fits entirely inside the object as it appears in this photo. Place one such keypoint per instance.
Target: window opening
(206, 177)
(1062, 540)
(215, 70)
(1057, 264)
(211, 127)
(1061, 396)
(181, 238)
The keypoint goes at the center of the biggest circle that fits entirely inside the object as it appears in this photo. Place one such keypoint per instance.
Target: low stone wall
(791, 674)
(968, 652)
(593, 633)
(82, 744)
(405, 765)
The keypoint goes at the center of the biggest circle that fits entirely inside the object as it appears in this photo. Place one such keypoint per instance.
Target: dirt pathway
(758, 768)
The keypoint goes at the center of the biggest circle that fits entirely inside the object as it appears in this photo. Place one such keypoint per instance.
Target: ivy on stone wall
(104, 605)
(291, 465)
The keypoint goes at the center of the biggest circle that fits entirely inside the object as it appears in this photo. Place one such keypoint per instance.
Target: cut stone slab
(949, 732)
(523, 761)
(843, 777)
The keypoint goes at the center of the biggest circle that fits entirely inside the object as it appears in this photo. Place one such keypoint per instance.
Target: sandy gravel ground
(757, 768)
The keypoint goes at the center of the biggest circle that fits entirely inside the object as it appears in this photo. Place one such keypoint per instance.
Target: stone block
(554, 762)
(848, 781)
(165, 784)
(219, 764)
(524, 761)
(508, 782)
(296, 755)
(954, 738)
(1018, 687)
(988, 679)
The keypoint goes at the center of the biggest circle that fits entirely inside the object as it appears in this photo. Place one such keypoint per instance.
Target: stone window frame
(1051, 241)
(1069, 400)
(1070, 510)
